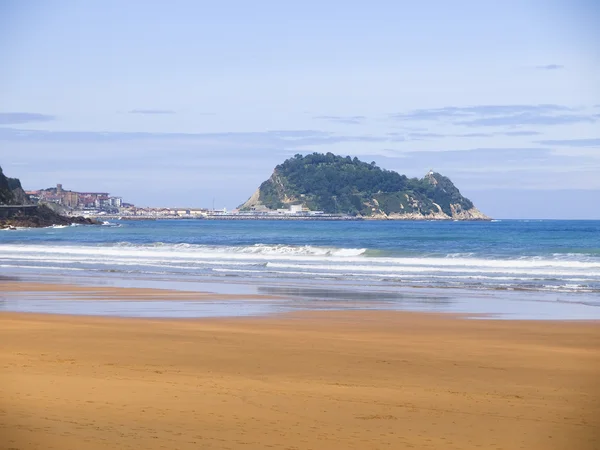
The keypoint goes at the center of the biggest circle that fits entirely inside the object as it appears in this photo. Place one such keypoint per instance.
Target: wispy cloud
(501, 133)
(474, 135)
(521, 133)
(550, 67)
(347, 120)
(528, 119)
(151, 111)
(414, 136)
(14, 118)
(480, 157)
(431, 136)
(463, 112)
(593, 142)
(422, 136)
(488, 161)
(275, 139)
(500, 115)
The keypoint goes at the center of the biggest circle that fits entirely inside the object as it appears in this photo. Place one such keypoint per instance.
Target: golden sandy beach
(322, 380)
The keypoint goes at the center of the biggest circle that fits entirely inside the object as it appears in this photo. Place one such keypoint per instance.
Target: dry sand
(327, 380)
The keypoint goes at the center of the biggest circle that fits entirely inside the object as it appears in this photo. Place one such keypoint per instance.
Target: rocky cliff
(36, 216)
(6, 194)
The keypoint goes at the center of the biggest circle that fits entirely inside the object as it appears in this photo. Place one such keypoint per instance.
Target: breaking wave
(256, 249)
(554, 272)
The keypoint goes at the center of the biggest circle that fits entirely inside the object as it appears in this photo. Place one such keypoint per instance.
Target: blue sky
(176, 103)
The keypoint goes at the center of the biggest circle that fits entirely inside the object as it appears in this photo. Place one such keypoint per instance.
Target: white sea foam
(352, 256)
(459, 255)
(435, 265)
(189, 250)
(562, 271)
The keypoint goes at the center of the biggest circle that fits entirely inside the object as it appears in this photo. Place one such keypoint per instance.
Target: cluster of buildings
(91, 201)
(163, 213)
(295, 211)
(291, 213)
(94, 204)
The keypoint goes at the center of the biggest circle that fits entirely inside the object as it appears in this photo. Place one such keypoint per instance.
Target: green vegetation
(14, 183)
(337, 184)
(6, 194)
(11, 191)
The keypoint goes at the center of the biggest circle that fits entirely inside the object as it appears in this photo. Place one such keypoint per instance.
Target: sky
(183, 103)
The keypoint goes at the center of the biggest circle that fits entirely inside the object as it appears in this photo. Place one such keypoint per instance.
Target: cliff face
(339, 185)
(6, 194)
(11, 191)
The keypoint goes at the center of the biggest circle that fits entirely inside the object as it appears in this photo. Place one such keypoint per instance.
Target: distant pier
(232, 217)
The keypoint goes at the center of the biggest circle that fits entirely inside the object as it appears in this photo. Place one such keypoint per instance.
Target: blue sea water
(560, 257)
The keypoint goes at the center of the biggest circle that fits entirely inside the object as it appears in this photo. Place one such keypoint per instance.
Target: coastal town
(103, 205)
(90, 202)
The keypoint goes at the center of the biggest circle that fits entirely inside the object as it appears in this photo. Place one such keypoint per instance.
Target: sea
(526, 269)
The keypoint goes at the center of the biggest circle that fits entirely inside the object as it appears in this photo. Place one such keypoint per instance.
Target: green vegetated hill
(7, 186)
(345, 185)
(11, 191)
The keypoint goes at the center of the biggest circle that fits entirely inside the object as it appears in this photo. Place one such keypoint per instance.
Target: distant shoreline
(286, 218)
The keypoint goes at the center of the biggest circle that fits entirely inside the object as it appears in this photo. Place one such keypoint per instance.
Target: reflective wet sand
(130, 297)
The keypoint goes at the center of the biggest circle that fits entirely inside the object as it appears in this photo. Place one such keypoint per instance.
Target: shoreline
(322, 380)
(289, 217)
(189, 299)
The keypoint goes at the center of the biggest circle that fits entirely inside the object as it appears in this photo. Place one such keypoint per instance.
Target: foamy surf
(560, 272)
(256, 249)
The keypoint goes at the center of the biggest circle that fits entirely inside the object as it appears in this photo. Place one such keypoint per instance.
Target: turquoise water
(545, 260)
(551, 255)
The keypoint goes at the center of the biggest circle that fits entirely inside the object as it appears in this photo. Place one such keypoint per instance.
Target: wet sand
(116, 293)
(310, 380)
(160, 298)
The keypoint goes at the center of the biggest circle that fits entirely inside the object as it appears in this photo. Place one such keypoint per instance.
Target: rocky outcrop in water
(343, 185)
(34, 216)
